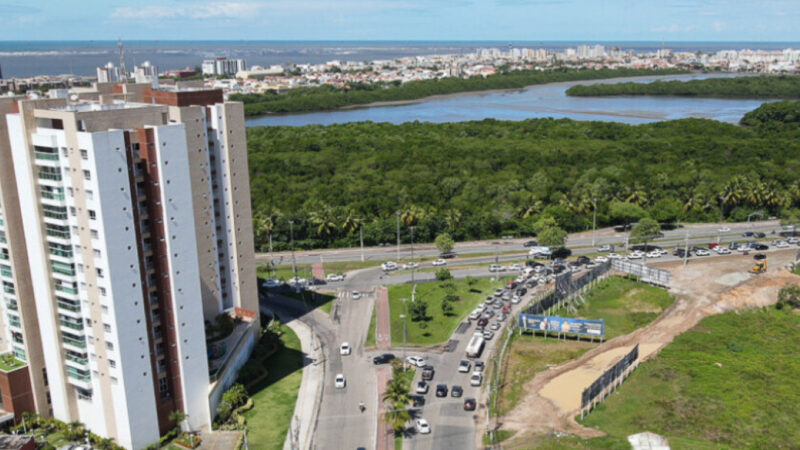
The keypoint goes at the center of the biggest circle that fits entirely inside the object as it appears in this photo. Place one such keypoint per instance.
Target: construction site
(550, 405)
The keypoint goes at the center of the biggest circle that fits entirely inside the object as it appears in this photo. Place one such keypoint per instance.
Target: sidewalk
(383, 322)
(384, 436)
(317, 271)
(307, 404)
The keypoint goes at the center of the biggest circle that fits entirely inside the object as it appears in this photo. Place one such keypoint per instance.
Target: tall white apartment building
(109, 74)
(223, 66)
(137, 232)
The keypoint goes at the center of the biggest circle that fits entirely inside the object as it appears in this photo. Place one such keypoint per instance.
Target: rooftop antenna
(122, 60)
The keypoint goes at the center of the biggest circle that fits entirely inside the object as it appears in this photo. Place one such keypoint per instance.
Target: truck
(475, 346)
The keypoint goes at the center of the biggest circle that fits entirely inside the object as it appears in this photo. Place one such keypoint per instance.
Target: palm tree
(733, 192)
(411, 215)
(396, 393)
(324, 221)
(530, 208)
(637, 196)
(453, 219)
(105, 443)
(265, 222)
(350, 223)
(397, 419)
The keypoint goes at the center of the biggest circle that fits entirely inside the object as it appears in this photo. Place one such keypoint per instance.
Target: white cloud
(216, 10)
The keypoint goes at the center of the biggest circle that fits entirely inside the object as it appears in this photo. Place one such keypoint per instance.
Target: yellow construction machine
(760, 265)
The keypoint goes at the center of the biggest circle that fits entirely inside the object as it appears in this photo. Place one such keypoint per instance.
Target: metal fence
(611, 378)
(566, 287)
(646, 274)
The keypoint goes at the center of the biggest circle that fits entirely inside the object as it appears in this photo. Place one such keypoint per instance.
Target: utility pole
(398, 236)
(413, 269)
(291, 238)
(594, 222)
(361, 238)
(405, 329)
(686, 249)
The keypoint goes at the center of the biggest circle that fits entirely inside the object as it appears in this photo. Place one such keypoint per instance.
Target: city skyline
(613, 20)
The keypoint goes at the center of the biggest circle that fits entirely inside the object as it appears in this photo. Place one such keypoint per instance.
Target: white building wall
(174, 172)
(133, 394)
(39, 265)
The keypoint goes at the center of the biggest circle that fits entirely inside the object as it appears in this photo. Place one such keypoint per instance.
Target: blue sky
(586, 20)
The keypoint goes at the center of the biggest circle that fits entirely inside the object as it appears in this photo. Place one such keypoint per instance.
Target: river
(548, 100)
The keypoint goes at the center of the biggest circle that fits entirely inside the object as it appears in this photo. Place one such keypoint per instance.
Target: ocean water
(28, 58)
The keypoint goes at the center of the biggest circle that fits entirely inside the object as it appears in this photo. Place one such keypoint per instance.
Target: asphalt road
(696, 233)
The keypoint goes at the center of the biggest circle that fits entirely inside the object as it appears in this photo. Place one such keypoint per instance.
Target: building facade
(223, 66)
(137, 233)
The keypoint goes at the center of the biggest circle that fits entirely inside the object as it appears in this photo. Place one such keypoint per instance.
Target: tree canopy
(786, 86)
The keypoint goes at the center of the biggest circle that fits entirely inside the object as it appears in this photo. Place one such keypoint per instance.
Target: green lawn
(625, 305)
(730, 382)
(438, 328)
(284, 272)
(8, 362)
(275, 397)
(371, 336)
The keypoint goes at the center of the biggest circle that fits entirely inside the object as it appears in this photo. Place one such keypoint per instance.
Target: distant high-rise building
(126, 227)
(109, 74)
(1, 72)
(146, 73)
(223, 66)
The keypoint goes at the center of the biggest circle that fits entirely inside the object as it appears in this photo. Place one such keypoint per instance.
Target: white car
(476, 379)
(636, 255)
(540, 251)
(340, 381)
(494, 268)
(356, 295)
(422, 426)
(722, 250)
(335, 277)
(520, 279)
(724, 229)
(782, 244)
(792, 240)
(613, 255)
(702, 252)
(604, 248)
(439, 262)
(464, 366)
(416, 361)
(345, 349)
(516, 299)
(410, 265)
(422, 388)
(654, 254)
(516, 267)
(601, 259)
(388, 266)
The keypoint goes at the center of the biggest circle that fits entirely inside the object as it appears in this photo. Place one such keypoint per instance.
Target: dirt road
(705, 287)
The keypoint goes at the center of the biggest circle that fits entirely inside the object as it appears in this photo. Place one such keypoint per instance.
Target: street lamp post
(361, 238)
(594, 222)
(413, 268)
(398, 236)
(405, 330)
(291, 239)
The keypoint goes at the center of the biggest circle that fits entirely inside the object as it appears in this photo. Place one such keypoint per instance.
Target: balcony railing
(62, 288)
(52, 195)
(69, 307)
(75, 376)
(4, 256)
(63, 270)
(12, 305)
(46, 156)
(49, 176)
(6, 273)
(77, 359)
(74, 342)
(73, 325)
(62, 253)
(9, 289)
(58, 234)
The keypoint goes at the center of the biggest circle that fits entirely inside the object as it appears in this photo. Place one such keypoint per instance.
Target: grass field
(625, 305)
(371, 337)
(275, 397)
(438, 328)
(729, 382)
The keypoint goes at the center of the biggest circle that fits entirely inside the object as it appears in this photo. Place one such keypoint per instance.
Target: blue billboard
(565, 325)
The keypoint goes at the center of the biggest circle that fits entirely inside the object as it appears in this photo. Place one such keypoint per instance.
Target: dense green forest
(491, 178)
(740, 87)
(328, 97)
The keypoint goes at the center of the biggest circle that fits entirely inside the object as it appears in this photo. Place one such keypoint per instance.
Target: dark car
(383, 359)
(417, 400)
(562, 253)
(482, 322)
(533, 264)
(522, 291)
(574, 264)
(469, 404)
(457, 391)
(317, 282)
(479, 366)
(759, 256)
(448, 255)
(441, 390)
(427, 373)
(679, 252)
(583, 260)
(758, 246)
(531, 283)
(558, 268)
(531, 244)
(621, 228)
(747, 234)
(760, 235)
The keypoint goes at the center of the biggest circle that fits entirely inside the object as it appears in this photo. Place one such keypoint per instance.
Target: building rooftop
(87, 106)
(9, 362)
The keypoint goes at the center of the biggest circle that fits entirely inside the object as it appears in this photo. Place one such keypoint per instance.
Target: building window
(112, 363)
(89, 194)
(84, 153)
(107, 328)
(97, 253)
(92, 214)
(162, 385)
(109, 345)
(87, 175)
(95, 234)
(99, 272)
(102, 292)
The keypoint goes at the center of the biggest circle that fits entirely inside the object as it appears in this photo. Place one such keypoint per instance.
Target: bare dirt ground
(705, 287)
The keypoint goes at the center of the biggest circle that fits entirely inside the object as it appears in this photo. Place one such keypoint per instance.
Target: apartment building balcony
(71, 324)
(66, 290)
(53, 196)
(77, 360)
(12, 305)
(76, 343)
(6, 271)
